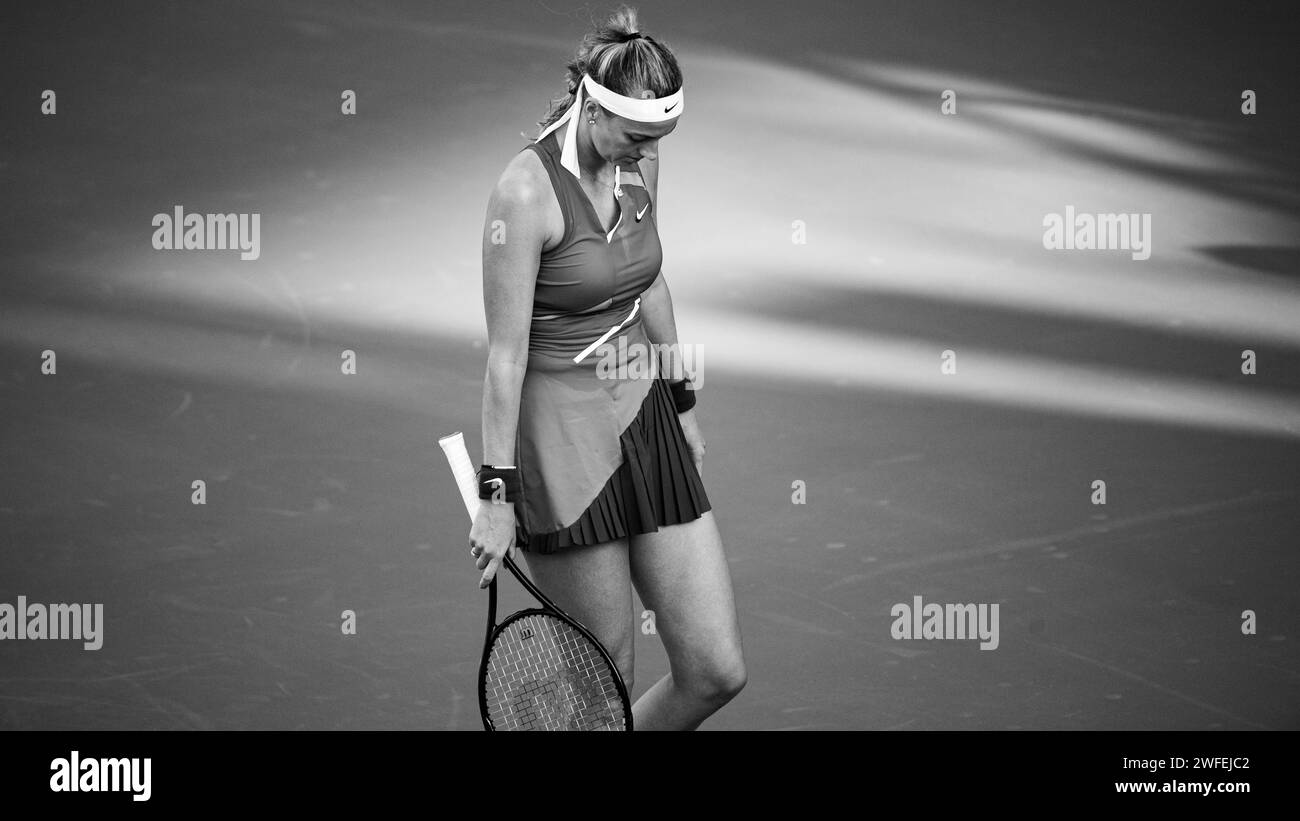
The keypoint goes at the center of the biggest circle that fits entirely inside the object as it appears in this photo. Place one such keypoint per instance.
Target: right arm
(509, 278)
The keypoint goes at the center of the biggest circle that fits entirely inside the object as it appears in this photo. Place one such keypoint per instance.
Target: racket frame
(453, 446)
(548, 608)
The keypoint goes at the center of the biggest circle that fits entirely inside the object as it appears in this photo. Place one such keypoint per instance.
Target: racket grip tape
(463, 469)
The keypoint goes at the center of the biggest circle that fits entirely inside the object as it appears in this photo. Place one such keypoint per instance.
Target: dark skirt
(656, 484)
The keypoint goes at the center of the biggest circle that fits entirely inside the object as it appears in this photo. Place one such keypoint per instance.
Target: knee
(719, 682)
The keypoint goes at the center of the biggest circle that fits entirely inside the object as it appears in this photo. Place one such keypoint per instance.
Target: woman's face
(626, 142)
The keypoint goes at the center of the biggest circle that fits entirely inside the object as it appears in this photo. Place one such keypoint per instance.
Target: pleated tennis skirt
(656, 484)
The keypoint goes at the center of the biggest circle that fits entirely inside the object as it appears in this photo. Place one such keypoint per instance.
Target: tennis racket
(541, 669)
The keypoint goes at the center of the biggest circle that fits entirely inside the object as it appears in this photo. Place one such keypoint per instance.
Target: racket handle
(467, 480)
(463, 469)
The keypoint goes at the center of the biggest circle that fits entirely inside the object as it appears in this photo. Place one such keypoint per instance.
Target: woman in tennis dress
(600, 466)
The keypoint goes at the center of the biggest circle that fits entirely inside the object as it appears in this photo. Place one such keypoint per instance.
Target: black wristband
(490, 478)
(683, 395)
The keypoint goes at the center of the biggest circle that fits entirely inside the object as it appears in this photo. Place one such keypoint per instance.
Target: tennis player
(597, 470)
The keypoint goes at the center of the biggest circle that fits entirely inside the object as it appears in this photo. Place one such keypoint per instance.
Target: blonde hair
(619, 62)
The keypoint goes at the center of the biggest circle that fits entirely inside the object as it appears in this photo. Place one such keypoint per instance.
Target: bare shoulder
(523, 182)
(523, 192)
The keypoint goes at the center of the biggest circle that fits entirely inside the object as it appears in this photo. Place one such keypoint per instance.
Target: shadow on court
(227, 615)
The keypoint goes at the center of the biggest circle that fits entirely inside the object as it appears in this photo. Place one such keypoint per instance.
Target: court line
(1158, 687)
(1072, 534)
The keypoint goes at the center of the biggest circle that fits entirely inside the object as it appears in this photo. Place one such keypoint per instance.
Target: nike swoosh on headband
(638, 110)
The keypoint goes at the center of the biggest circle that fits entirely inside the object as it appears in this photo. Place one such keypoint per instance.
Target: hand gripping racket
(541, 669)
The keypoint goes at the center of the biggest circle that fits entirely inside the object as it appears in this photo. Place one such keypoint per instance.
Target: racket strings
(543, 674)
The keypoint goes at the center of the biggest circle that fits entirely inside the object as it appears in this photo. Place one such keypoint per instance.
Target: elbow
(507, 359)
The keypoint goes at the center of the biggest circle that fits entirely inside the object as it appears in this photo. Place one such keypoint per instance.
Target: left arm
(661, 328)
(656, 301)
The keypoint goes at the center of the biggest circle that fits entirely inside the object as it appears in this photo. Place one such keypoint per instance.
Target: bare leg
(681, 574)
(592, 584)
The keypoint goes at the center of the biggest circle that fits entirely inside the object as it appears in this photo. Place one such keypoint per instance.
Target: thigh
(681, 574)
(592, 584)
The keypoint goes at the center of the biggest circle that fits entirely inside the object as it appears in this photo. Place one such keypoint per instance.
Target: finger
(483, 561)
(488, 574)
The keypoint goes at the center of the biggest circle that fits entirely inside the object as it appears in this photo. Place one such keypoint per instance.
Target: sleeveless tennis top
(592, 267)
(590, 365)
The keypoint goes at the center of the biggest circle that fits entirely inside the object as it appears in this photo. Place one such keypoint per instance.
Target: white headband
(656, 110)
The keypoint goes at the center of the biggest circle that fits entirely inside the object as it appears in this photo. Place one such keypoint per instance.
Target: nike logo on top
(642, 211)
(670, 108)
